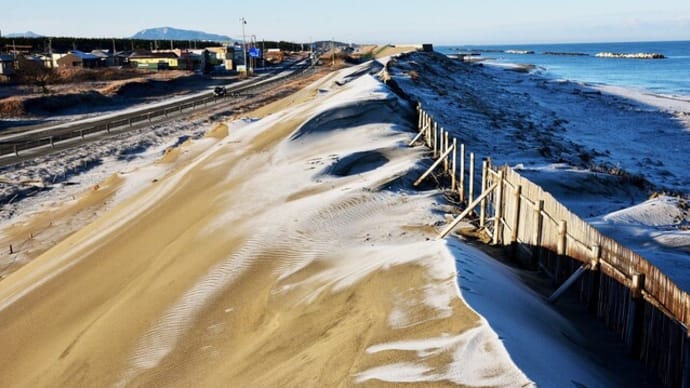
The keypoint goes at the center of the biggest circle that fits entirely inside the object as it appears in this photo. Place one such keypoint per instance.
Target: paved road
(24, 145)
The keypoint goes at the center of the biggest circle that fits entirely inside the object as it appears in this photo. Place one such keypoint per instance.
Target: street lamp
(243, 21)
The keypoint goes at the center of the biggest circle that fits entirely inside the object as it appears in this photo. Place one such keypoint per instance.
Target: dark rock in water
(566, 54)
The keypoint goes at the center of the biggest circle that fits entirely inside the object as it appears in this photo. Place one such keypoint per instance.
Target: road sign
(255, 52)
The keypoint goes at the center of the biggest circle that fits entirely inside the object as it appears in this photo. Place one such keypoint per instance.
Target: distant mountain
(28, 34)
(168, 33)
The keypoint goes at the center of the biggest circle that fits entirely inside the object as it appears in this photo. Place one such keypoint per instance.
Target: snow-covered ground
(596, 149)
(292, 249)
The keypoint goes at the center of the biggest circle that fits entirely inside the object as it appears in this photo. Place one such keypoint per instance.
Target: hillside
(28, 34)
(170, 33)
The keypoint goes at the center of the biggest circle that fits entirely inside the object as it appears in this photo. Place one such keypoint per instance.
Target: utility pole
(253, 59)
(333, 52)
(243, 21)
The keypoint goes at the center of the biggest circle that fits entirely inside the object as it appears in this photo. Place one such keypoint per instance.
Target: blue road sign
(255, 52)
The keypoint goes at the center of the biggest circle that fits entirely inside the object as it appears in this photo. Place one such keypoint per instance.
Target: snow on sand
(278, 254)
(598, 150)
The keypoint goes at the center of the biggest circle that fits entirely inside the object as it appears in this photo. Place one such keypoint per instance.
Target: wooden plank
(465, 213)
(432, 168)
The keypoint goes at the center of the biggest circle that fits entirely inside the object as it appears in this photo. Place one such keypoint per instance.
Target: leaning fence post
(482, 207)
(498, 204)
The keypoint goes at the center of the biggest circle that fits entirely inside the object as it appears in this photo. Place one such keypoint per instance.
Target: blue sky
(374, 21)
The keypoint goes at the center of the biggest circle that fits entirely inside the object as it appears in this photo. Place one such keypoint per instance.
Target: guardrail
(15, 145)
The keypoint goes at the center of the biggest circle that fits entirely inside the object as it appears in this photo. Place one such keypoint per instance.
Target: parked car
(219, 91)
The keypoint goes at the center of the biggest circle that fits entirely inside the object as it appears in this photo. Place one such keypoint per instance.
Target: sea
(668, 76)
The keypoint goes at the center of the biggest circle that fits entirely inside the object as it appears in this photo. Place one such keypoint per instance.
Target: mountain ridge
(168, 33)
(27, 34)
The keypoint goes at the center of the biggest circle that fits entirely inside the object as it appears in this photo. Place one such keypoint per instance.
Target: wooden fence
(632, 296)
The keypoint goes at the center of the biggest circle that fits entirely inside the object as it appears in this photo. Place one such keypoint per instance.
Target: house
(121, 58)
(106, 59)
(76, 58)
(54, 57)
(154, 61)
(224, 55)
(6, 64)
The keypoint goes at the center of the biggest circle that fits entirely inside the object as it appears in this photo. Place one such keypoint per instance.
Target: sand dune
(288, 254)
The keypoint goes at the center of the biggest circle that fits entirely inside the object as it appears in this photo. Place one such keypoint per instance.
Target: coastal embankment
(291, 248)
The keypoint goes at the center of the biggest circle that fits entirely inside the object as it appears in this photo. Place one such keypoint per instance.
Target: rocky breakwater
(631, 55)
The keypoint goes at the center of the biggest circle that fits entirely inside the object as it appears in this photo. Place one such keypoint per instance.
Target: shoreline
(658, 76)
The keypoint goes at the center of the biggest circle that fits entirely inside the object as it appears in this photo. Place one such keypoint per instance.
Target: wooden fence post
(560, 250)
(107, 127)
(445, 147)
(536, 232)
(454, 183)
(471, 188)
(435, 139)
(516, 216)
(52, 143)
(498, 205)
(462, 172)
(16, 151)
(686, 361)
(635, 315)
(419, 117)
(595, 273)
(482, 206)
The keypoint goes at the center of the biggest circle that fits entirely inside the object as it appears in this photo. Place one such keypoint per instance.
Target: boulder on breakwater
(631, 55)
